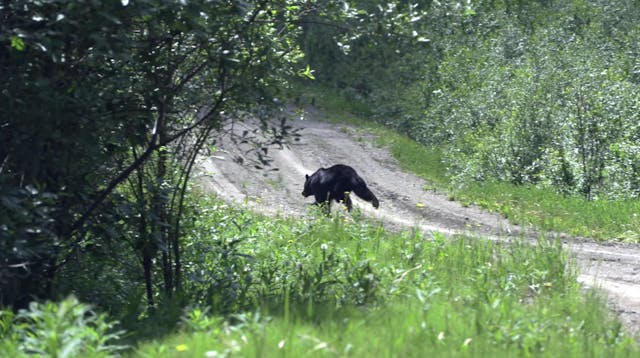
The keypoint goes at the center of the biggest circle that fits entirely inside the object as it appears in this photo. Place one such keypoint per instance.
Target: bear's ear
(306, 176)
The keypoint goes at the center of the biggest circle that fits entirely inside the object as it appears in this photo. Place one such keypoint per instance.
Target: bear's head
(307, 186)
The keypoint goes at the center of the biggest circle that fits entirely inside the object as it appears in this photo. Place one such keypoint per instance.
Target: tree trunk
(147, 261)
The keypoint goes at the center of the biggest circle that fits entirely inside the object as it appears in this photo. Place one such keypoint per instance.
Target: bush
(65, 329)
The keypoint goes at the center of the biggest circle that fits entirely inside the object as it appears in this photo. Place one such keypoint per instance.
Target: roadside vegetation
(526, 204)
(261, 286)
(107, 248)
(530, 107)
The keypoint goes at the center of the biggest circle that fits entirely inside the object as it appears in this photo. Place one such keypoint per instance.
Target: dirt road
(614, 267)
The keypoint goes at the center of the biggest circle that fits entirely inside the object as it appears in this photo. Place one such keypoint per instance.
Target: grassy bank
(343, 287)
(340, 286)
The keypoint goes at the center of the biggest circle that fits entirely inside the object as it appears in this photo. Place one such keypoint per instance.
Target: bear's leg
(347, 201)
(361, 190)
(324, 201)
(342, 196)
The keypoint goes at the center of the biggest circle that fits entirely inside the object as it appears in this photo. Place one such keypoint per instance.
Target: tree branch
(152, 146)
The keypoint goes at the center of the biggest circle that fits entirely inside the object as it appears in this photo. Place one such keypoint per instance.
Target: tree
(528, 92)
(104, 107)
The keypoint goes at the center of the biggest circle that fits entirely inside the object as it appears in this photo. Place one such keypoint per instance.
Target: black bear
(336, 183)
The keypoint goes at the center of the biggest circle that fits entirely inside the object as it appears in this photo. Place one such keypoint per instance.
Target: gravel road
(613, 267)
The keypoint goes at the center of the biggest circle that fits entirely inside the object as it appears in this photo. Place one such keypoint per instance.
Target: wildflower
(181, 347)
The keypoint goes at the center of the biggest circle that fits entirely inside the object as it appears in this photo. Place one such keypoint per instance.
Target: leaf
(308, 73)
(17, 43)
(469, 12)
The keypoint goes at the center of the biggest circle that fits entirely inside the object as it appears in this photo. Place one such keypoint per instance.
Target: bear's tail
(364, 193)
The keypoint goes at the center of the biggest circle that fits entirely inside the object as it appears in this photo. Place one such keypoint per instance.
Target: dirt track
(614, 267)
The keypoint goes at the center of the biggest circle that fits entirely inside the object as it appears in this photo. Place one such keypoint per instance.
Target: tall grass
(343, 286)
(543, 208)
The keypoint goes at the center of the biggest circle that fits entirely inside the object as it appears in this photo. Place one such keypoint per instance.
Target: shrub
(65, 329)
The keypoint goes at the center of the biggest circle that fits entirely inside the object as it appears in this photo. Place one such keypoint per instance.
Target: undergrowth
(343, 286)
(261, 286)
(65, 329)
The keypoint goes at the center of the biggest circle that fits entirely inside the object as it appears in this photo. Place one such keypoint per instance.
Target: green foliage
(229, 272)
(543, 208)
(99, 135)
(546, 100)
(326, 286)
(17, 43)
(200, 320)
(263, 286)
(537, 92)
(104, 107)
(547, 208)
(65, 329)
(26, 233)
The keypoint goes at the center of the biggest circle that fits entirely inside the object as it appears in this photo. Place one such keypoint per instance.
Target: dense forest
(529, 92)
(106, 105)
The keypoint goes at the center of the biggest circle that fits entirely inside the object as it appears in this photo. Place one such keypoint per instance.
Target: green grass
(528, 205)
(602, 219)
(343, 287)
